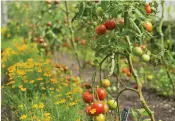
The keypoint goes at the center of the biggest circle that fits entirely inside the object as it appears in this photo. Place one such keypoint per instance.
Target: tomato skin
(101, 93)
(145, 57)
(83, 42)
(112, 104)
(99, 11)
(49, 24)
(100, 29)
(138, 51)
(87, 97)
(41, 40)
(110, 24)
(100, 117)
(148, 26)
(106, 108)
(148, 9)
(106, 83)
(56, 1)
(121, 21)
(98, 106)
(135, 86)
(88, 109)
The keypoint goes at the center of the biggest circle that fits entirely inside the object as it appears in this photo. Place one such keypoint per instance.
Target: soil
(163, 107)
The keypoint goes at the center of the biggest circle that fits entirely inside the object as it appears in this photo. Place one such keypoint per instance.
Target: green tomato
(138, 51)
(145, 57)
(149, 77)
(109, 89)
(114, 89)
(100, 117)
(99, 11)
(112, 104)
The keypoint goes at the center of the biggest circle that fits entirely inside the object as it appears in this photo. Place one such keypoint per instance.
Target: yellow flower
(46, 114)
(72, 103)
(35, 106)
(20, 72)
(65, 84)
(57, 90)
(11, 82)
(51, 88)
(92, 111)
(13, 86)
(30, 60)
(69, 93)
(23, 117)
(41, 105)
(25, 81)
(20, 86)
(47, 75)
(40, 78)
(43, 88)
(31, 81)
(53, 80)
(23, 89)
(78, 119)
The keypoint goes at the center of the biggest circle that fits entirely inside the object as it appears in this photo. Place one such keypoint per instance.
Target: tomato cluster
(97, 103)
(108, 25)
(139, 52)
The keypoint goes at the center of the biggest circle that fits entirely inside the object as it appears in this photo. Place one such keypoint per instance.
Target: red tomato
(110, 24)
(100, 29)
(88, 109)
(148, 9)
(98, 106)
(87, 97)
(101, 93)
(148, 26)
(83, 42)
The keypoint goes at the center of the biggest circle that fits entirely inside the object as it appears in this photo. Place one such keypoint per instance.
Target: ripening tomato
(101, 93)
(106, 108)
(148, 26)
(145, 57)
(100, 29)
(83, 42)
(121, 21)
(88, 109)
(106, 83)
(148, 9)
(98, 106)
(110, 24)
(41, 40)
(125, 70)
(138, 51)
(100, 117)
(88, 97)
(49, 24)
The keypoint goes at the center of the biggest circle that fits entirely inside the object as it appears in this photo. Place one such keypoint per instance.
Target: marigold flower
(41, 105)
(23, 117)
(35, 106)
